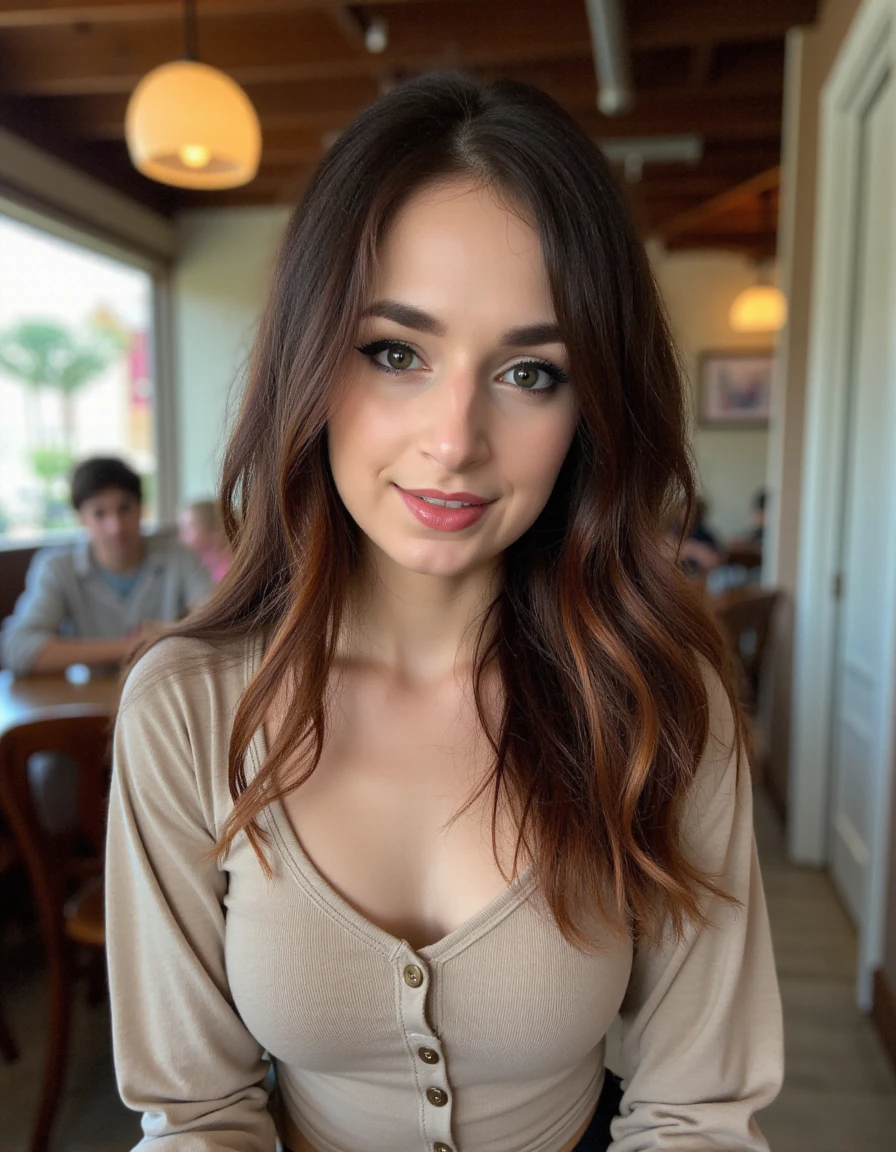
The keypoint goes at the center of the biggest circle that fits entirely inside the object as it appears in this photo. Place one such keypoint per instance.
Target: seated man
(87, 603)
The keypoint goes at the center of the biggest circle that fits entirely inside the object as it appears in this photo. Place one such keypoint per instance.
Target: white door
(861, 656)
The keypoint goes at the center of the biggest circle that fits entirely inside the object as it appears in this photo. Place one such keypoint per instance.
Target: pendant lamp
(762, 307)
(759, 308)
(192, 126)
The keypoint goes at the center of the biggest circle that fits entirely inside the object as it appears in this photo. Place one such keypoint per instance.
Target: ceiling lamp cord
(191, 32)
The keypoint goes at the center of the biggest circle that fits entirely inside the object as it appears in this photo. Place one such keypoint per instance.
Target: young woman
(448, 773)
(200, 528)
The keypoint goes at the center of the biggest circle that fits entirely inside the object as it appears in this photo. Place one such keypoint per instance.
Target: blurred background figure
(752, 536)
(200, 528)
(87, 603)
(700, 551)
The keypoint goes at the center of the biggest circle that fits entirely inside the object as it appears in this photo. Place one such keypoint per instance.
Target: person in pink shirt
(200, 529)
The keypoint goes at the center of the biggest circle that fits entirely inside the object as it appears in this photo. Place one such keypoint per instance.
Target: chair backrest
(745, 617)
(745, 555)
(83, 735)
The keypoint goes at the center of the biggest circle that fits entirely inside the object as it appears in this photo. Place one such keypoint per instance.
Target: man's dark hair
(99, 474)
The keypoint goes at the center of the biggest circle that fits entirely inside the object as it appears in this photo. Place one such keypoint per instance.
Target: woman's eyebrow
(406, 315)
(410, 317)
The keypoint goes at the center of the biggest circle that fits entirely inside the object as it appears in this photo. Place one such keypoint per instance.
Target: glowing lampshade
(759, 308)
(192, 126)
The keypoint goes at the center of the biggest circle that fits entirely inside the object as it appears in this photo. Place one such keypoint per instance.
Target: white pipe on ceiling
(611, 56)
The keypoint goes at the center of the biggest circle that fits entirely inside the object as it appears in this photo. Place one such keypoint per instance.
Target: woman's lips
(440, 518)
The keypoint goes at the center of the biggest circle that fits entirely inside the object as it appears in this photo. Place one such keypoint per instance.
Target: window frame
(160, 272)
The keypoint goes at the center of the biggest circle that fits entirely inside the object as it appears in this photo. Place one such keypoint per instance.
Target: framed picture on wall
(735, 389)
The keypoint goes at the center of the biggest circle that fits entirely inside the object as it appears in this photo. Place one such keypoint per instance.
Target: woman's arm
(183, 1056)
(702, 1030)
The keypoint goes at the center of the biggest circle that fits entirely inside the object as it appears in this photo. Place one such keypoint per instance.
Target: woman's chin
(442, 559)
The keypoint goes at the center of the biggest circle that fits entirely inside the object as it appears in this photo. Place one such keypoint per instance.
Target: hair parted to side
(601, 646)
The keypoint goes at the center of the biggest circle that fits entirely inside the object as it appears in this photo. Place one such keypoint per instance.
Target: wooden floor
(840, 1086)
(840, 1091)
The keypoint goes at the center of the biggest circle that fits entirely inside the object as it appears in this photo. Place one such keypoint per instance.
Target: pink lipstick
(444, 511)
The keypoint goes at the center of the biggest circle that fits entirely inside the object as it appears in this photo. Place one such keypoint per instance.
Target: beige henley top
(215, 970)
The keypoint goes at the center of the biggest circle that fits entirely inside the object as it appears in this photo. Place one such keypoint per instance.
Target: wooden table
(20, 699)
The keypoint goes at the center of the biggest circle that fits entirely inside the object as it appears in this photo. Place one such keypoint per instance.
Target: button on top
(413, 975)
(437, 1097)
(428, 1055)
(440, 1147)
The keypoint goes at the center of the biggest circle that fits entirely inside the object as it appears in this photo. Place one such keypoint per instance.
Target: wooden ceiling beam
(49, 13)
(698, 186)
(702, 56)
(299, 46)
(675, 23)
(269, 46)
(737, 64)
(735, 118)
(747, 243)
(699, 217)
(572, 81)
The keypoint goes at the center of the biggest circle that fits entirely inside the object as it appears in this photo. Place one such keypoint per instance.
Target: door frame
(867, 53)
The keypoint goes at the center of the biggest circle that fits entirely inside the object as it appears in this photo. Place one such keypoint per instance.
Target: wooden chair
(745, 616)
(65, 870)
(9, 856)
(745, 554)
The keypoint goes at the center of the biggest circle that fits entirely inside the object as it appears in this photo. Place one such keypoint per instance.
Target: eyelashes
(377, 352)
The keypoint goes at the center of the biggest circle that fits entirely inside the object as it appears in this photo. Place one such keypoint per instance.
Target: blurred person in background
(89, 603)
(200, 528)
(700, 552)
(754, 534)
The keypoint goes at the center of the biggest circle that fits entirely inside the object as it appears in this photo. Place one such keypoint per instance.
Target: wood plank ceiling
(713, 69)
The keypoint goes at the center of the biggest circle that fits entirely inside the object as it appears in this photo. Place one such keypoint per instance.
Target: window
(76, 374)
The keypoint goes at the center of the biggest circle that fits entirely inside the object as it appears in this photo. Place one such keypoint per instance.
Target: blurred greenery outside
(47, 356)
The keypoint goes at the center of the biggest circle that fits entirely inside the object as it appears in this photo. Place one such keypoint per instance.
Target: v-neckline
(307, 872)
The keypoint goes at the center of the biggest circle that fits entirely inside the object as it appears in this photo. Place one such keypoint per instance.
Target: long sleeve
(183, 1056)
(701, 1022)
(38, 614)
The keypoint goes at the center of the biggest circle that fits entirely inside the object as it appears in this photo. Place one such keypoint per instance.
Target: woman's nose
(454, 430)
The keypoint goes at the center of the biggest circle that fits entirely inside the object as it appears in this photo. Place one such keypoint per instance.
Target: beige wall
(698, 288)
(219, 288)
(810, 55)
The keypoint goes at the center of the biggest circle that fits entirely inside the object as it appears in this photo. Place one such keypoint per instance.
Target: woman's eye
(391, 356)
(533, 377)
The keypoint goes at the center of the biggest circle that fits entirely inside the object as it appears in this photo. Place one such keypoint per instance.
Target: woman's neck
(419, 627)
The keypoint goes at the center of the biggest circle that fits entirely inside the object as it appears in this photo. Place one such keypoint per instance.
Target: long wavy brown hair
(601, 646)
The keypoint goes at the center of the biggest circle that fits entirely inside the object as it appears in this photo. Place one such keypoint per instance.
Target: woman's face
(457, 392)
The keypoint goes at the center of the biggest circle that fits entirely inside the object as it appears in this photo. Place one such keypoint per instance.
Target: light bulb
(376, 35)
(760, 308)
(194, 155)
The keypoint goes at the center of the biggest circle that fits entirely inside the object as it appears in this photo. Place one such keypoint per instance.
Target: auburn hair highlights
(602, 647)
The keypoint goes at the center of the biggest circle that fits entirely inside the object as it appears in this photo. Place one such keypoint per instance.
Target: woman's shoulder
(723, 734)
(720, 791)
(189, 673)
